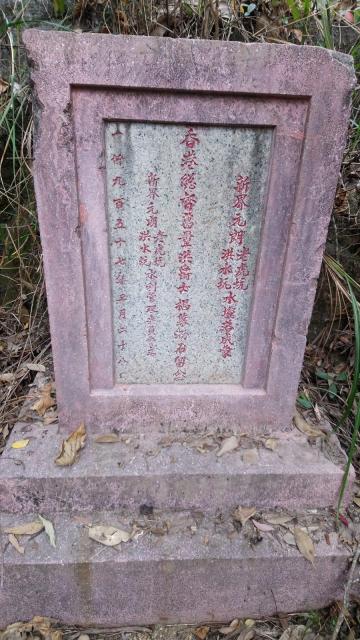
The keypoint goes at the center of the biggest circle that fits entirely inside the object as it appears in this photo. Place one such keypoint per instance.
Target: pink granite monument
(184, 190)
(224, 158)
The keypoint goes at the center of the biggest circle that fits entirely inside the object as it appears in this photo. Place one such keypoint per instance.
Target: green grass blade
(356, 375)
(353, 446)
(351, 398)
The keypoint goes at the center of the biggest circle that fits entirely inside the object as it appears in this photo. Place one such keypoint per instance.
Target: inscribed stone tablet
(185, 208)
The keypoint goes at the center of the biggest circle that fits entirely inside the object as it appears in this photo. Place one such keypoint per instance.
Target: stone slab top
(156, 455)
(176, 471)
(182, 536)
(184, 63)
(184, 189)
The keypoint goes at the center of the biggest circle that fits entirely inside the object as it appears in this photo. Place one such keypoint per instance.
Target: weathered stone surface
(193, 573)
(184, 229)
(166, 86)
(149, 469)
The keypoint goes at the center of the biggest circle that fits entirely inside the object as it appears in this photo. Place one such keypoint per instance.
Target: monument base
(189, 559)
(179, 576)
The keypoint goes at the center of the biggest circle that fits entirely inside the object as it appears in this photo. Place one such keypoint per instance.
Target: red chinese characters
(233, 270)
(119, 260)
(152, 255)
(188, 201)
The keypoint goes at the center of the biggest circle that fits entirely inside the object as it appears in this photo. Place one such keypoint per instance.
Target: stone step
(179, 567)
(168, 472)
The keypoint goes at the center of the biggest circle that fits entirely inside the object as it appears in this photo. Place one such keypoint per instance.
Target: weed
(23, 314)
(347, 284)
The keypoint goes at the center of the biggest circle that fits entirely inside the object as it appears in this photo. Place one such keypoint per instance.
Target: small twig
(348, 586)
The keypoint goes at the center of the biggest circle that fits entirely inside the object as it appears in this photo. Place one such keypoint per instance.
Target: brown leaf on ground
(271, 443)
(50, 418)
(262, 526)
(108, 535)
(38, 627)
(243, 514)
(26, 529)
(15, 543)
(230, 628)
(229, 444)
(305, 427)
(45, 400)
(201, 632)
(304, 544)
(3, 86)
(107, 438)
(35, 366)
(71, 447)
(278, 518)
(49, 530)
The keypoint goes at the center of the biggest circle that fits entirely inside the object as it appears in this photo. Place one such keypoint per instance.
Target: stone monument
(184, 190)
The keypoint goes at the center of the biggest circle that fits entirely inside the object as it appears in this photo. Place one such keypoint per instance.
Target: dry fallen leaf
(289, 539)
(262, 526)
(26, 529)
(304, 544)
(71, 447)
(3, 86)
(305, 427)
(7, 377)
(229, 629)
(271, 443)
(249, 622)
(243, 514)
(34, 366)
(278, 518)
(229, 444)
(201, 632)
(45, 401)
(107, 438)
(15, 543)
(20, 444)
(356, 501)
(107, 535)
(49, 530)
(38, 627)
(50, 418)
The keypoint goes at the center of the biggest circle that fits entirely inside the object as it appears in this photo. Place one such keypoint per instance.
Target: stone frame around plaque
(115, 78)
(97, 108)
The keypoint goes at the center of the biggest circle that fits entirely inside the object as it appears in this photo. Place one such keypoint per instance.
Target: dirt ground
(308, 626)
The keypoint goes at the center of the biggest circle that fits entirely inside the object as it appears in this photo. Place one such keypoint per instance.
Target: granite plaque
(184, 188)
(185, 206)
